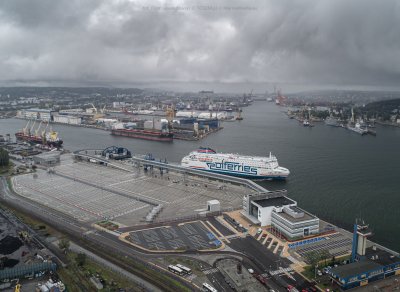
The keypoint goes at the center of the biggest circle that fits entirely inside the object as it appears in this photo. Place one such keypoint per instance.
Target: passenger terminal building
(277, 210)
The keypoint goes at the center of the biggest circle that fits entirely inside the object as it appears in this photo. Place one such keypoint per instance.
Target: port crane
(98, 113)
(170, 111)
(26, 127)
(33, 125)
(38, 128)
(247, 97)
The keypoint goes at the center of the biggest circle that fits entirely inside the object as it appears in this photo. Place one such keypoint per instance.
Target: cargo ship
(356, 126)
(49, 138)
(146, 134)
(146, 130)
(251, 167)
(331, 121)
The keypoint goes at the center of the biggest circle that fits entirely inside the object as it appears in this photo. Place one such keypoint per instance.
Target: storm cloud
(320, 41)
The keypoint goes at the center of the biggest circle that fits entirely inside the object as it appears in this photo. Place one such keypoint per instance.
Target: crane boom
(33, 125)
(38, 128)
(93, 107)
(26, 126)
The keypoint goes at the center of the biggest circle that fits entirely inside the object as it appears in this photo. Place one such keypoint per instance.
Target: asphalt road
(266, 261)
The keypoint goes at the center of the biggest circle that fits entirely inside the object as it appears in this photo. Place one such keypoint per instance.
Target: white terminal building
(277, 210)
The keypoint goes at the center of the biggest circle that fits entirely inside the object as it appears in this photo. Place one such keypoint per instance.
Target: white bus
(186, 270)
(175, 270)
(207, 287)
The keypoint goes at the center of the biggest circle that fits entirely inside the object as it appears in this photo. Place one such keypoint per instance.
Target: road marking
(210, 271)
(217, 231)
(281, 271)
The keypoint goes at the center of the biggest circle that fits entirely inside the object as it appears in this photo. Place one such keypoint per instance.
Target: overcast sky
(339, 42)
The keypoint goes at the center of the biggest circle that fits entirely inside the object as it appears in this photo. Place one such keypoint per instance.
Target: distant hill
(384, 106)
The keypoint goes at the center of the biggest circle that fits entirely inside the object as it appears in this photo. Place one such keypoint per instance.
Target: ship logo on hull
(232, 166)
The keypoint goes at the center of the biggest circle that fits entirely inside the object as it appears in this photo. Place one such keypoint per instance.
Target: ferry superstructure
(251, 167)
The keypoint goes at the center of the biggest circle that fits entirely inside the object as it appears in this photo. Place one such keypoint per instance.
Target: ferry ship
(251, 167)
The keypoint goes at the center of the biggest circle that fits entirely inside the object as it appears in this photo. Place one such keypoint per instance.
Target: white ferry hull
(244, 175)
(254, 168)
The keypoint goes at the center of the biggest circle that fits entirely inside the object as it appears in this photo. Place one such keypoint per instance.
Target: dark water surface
(335, 174)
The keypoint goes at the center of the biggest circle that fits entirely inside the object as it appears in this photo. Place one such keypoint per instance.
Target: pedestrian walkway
(210, 271)
(191, 277)
(281, 271)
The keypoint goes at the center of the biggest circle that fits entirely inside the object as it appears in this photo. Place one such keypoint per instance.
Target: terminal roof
(274, 202)
(306, 217)
(384, 258)
(354, 269)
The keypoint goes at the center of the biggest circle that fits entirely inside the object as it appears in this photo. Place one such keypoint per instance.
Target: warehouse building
(27, 271)
(47, 158)
(35, 114)
(277, 210)
(67, 119)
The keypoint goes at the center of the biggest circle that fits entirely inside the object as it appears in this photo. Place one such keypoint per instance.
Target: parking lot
(89, 192)
(338, 244)
(81, 201)
(186, 236)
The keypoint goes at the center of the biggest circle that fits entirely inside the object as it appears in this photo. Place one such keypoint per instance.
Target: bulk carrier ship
(49, 138)
(251, 167)
(147, 130)
(146, 134)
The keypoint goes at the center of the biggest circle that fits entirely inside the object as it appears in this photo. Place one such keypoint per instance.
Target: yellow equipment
(17, 288)
(170, 111)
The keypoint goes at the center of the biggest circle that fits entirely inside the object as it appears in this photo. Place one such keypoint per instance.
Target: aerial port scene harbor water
(163, 192)
(221, 147)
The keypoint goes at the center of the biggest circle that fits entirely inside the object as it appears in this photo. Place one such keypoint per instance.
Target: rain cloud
(319, 41)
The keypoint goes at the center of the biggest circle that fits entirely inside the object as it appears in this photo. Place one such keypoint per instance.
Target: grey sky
(320, 42)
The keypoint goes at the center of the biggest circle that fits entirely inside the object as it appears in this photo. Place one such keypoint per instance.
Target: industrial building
(277, 210)
(67, 119)
(368, 264)
(35, 114)
(27, 271)
(47, 158)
